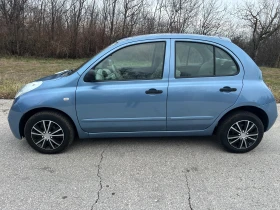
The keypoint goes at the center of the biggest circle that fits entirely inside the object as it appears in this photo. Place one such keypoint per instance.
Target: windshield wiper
(71, 71)
(67, 72)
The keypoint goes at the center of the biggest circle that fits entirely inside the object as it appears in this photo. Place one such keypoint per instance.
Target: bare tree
(181, 14)
(13, 15)
(112, 18)
(56, 9)
(157, 16)
(76, 11)
(81, 28)
(90, 32)
(131, 11)
(212, 17)
(105, 16)
(263, 19)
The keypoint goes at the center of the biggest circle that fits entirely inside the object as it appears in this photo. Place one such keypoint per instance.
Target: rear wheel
(240, 132)
(49, 132)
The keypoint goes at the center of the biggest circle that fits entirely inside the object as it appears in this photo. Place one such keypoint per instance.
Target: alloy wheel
(243, 134)
(47, 135)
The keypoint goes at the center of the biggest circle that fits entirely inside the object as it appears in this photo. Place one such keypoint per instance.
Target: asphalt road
(139, 173)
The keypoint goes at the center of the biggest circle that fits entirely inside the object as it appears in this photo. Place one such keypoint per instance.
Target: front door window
(137, 62)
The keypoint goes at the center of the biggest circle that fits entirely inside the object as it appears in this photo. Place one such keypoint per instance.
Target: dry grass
(271, 77)
(17, 71)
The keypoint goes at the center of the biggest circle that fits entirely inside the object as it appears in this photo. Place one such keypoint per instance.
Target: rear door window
(202, 60)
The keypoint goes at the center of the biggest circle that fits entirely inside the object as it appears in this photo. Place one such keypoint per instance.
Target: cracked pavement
(189, 191)
(100, 178)
(139, 173)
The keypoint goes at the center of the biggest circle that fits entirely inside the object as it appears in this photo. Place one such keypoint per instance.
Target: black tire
(235, 141)
(60, 133)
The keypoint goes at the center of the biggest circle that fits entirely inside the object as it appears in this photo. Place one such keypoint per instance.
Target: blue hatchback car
(151, 85)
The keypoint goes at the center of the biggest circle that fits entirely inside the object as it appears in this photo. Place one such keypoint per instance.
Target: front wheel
(49, 132)
(241, 132)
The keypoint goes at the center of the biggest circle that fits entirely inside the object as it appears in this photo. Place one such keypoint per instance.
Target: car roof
(216, 39)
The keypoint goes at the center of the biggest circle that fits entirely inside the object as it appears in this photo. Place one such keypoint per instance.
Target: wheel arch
(30, 113)
(253, 109)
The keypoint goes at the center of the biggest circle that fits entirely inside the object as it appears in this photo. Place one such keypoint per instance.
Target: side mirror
(90, 76)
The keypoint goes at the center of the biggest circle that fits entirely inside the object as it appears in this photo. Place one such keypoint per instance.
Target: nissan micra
(151, 85)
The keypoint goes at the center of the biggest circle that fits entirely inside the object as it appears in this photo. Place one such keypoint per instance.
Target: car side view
(150, 85)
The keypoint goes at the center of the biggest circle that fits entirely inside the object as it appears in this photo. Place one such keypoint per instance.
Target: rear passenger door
(201, 84)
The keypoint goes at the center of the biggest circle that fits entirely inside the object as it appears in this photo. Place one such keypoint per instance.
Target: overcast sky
(233, 3)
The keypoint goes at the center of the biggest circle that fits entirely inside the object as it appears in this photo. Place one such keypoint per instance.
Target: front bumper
(14, 117)
(272, 113)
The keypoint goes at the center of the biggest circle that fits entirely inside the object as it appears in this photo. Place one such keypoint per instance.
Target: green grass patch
(17, 71)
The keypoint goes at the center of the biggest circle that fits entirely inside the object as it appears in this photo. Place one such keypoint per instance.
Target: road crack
(189, 191)
(99, 176)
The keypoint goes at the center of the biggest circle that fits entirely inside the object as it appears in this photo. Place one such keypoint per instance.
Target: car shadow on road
(192, 143)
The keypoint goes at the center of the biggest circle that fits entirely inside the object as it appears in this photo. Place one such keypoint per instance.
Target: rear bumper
(14, 120)
(272, 113)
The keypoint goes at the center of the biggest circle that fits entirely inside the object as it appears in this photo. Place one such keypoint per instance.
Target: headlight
(28, 87)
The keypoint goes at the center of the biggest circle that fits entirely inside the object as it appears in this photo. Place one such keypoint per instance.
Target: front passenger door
(126, 91)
